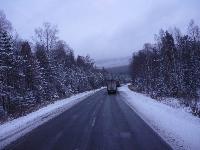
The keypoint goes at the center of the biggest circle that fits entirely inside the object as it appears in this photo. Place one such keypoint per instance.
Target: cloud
(102, 28)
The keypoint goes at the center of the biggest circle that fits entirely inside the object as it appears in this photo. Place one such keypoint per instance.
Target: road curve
(101, 122)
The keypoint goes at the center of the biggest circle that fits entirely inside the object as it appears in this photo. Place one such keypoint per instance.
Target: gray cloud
(102, 28)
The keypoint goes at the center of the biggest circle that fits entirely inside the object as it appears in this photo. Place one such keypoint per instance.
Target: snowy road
(101, 122)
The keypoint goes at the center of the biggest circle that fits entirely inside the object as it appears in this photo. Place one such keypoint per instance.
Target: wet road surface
(100, 122)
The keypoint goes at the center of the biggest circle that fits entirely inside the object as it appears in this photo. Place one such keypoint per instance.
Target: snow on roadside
(16, 128)
(175, 103)
(177, 126)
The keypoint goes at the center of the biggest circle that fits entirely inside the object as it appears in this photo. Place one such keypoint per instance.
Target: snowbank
(14, 129)
(174, 124)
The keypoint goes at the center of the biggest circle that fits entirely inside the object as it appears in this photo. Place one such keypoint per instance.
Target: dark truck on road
(111, 86)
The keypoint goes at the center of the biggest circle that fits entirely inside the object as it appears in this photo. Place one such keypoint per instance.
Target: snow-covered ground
(174, 124)
(14, 129)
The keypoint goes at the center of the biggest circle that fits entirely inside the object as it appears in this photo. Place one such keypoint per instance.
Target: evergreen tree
(46, 73)
(8, 72)
(32, 79)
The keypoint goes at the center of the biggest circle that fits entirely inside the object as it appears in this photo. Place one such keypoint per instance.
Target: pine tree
(48, 73)
(8, 71)
(169, 56)
(32, 90)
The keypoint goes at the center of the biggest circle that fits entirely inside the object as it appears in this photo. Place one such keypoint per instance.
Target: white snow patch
(12, 130)
(174, 124)
(175, 103)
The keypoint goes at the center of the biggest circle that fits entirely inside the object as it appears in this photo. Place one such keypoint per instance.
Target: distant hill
(114, 62)
(119, 70)
(117, 67)
(121, 73)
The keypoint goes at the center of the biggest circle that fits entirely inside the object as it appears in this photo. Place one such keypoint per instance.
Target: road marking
(93, 122)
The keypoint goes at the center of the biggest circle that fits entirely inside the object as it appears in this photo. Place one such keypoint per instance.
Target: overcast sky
(102, 28)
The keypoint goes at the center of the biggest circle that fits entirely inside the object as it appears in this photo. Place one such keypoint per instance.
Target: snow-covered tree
(8, 73)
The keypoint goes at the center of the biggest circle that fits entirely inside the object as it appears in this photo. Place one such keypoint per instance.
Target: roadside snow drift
(16, 128)
(178, 127)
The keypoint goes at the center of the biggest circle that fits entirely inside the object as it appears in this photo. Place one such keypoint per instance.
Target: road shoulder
(178, 128)
(13, 130)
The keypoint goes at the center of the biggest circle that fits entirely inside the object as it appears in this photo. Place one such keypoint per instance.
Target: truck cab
(111, 87)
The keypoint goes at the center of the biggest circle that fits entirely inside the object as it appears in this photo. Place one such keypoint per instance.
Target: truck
(111, 86)
(118, 83)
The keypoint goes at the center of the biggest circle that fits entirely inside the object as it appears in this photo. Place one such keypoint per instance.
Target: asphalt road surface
(101, 122)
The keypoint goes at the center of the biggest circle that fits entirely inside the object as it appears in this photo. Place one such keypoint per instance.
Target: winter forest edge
(170, 67)
(36, 73)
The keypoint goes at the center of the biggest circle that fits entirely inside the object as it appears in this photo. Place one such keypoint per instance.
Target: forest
(170, 67)
(34, 73)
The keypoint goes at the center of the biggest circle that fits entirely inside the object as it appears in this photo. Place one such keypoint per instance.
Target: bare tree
(4, 22)
(194, 31)
(46, 35)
